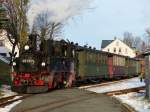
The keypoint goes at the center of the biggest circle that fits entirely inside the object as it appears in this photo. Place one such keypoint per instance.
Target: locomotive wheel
(55, 84)
(60, 85)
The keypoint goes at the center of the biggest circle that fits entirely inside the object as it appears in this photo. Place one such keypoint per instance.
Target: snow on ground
(135, 100)
(9, 107)
(130, 83)
(6, 91)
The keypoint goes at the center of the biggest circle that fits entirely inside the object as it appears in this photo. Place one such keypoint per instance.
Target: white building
(6, 46)
(117, 47)
(4, 51)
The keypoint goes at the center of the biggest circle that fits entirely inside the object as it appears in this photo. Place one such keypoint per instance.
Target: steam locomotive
(56, 64)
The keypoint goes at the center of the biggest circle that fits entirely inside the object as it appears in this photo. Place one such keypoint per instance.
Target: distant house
(116, 46)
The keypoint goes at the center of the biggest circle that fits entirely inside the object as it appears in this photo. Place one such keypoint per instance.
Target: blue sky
(107, 19)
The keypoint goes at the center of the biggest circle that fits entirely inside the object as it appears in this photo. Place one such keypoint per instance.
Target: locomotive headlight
(26, 47)
(43, 64)
(14, 63)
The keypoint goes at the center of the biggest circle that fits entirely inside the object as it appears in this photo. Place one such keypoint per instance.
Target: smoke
(59, 10)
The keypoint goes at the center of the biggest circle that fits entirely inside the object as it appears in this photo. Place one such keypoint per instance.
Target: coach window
(105, 60)
(87, 57)
(92, 58)
(97, 59)
(100, 58)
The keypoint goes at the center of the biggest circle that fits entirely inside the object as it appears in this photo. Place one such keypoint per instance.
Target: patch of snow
(131, 83)
(9, 107)
(135, 100)
(6, 91)
(16, 97)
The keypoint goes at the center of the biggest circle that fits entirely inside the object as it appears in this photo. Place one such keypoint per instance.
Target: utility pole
(147, 74)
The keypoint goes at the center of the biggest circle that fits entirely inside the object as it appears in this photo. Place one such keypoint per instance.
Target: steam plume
(59, 10)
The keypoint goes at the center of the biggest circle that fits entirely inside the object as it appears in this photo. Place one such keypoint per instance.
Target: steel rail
(103, 84)
(124, 91)
(9, 100)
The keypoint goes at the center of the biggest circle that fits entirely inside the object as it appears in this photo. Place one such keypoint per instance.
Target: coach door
(110, 66)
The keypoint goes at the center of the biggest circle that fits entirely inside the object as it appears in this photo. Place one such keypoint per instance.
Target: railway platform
(69, 100)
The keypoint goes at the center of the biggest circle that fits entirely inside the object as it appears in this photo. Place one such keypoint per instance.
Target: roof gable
(123, 43)
(106, 43)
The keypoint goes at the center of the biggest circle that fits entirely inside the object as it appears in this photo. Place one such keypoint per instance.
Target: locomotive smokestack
(33, 41)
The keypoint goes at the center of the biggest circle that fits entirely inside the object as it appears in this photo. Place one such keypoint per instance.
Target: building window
(1, 43)
(119, 50)
(108, 50)
(114, 50)
(3, 54)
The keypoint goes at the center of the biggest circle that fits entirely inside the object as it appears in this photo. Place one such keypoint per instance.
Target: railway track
(54, 104)
(102, 84)
(64, 102)
(11, 99)
(126, 107)
(124, 91)
(60, 103)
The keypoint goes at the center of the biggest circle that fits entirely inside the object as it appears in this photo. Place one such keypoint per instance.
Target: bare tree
(128, 39)
(17, 25)
(143, 46)
(137, 41)
(147, 38)
(45, 28)
(148, 32)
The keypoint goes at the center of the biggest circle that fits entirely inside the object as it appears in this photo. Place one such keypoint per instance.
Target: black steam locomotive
(44, 66)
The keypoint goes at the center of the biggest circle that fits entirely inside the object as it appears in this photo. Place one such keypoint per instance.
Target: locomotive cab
(62, 63)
